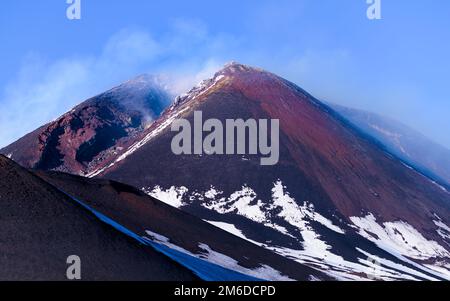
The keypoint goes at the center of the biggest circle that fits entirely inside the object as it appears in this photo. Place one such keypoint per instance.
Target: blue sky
(398, 66)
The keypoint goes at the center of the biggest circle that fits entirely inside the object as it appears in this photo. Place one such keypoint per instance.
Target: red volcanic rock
(93, 131)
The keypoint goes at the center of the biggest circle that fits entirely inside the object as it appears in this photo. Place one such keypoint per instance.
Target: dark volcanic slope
(94, 130)
(406, 143)
(331, 179)
(141, 213)
(40, 227)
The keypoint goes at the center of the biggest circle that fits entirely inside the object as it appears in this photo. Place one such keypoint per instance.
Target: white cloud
(186, 54)
(42, 90)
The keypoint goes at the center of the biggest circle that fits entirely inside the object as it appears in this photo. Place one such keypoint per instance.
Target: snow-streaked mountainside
(409, 145)
(112, 228)
(344, 201)
(211, 253)
(94, 131)
(337, 201)
(282, 214)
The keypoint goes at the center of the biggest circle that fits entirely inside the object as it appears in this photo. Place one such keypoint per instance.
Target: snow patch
(132, 149)
(212, 193)
(263, 272)
(244, 202)
(230, 228)
(444, 230)
(380, 269)
(443, 269)
(295, 214)
(399, 237)
(172, 196)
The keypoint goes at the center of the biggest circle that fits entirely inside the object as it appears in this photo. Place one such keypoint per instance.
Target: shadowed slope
(40, 227)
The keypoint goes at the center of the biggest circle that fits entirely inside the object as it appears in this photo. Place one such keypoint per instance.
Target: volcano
(95, 130)
(342, 202)
(337, 200)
